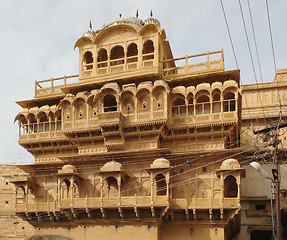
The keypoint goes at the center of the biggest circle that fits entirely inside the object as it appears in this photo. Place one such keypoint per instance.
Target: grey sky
(37, 39)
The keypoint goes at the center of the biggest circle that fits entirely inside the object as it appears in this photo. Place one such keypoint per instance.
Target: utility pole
(275, 172)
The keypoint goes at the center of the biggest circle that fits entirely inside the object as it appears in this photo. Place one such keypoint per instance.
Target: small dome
(160, 163)
(230, 164)
(122, 20)
(152, 20)
(69, 167)
(112, 164)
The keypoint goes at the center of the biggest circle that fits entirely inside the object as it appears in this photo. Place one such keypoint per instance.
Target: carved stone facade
(136, 144)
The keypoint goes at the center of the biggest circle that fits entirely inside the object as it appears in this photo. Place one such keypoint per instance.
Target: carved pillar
(119, 187)
(140, 49)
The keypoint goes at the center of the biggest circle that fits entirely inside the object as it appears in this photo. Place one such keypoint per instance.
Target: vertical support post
(208, 63)
(52, 85)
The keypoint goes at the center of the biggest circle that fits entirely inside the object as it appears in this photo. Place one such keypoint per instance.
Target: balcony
(130, 202)
(205, 203)
(205, 112)
(53, 86)
(193, 65)
(40, 130)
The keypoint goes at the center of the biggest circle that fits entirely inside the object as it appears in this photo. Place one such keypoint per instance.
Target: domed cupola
(90, 32)
(152, 20)
(122, 20)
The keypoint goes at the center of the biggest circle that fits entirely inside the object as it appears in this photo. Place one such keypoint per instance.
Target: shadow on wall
(47, 237)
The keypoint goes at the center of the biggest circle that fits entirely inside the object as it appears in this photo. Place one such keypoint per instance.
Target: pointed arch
(20, 195)
(161, 186)
(230, 187)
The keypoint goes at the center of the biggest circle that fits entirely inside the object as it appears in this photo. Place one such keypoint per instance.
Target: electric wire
(229, 34)
(182, 182)
(44, 216)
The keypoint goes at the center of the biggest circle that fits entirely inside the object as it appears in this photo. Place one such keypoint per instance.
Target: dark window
(261, 235)
(260, 206)
(110, 103)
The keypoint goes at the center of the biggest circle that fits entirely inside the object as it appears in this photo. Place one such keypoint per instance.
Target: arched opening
(112, 187)
(30, 196)
(76, 190)
(160, 185)
(144, 102)
(202, 105)
(148, 50)
(132, 52)
(159, 98)
(65, 188)
(80, 109)
(58, 119)
(88, 61)
(102, 58)
(20, 195)
(110, 103)
(178, 108)
(230, 187)
(117, 55)
(216, 104)
(128, 105)
(229, 102)
(51, 195)
(33, 128)
(43, 122)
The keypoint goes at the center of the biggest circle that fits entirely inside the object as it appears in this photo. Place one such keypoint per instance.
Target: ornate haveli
(139, 145)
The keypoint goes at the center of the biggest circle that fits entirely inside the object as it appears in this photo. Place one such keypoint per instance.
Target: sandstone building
(142, 145)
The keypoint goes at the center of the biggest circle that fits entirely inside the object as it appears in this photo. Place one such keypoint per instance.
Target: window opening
(202, 105)
(88, 61)
(148, 50)
(132, 53)
(179, 108)
(229, 102)
(216, 104)
(110, 103)
(117, 55)
(230, 187)
(160, 185)
(102, 58)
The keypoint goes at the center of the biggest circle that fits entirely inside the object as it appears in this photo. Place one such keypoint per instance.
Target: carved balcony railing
(53, 86)
(130, 201)
(194, 64)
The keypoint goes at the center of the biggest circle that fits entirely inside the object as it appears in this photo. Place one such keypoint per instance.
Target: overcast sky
(37, 39)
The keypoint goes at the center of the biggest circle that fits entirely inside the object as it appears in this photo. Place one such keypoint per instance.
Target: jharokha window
(102, 58)
(148, 50)
(132, 53)
(88, 61)
(117, 55)
(110, 103)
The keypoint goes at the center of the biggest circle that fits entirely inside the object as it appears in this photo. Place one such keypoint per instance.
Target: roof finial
(120, 15)
(151, 13)
(91, 27)
(137, 14)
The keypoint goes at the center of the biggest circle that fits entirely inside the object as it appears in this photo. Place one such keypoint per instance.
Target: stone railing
(131, 201)
(53, 86)
(205, 203)
(194, 64)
